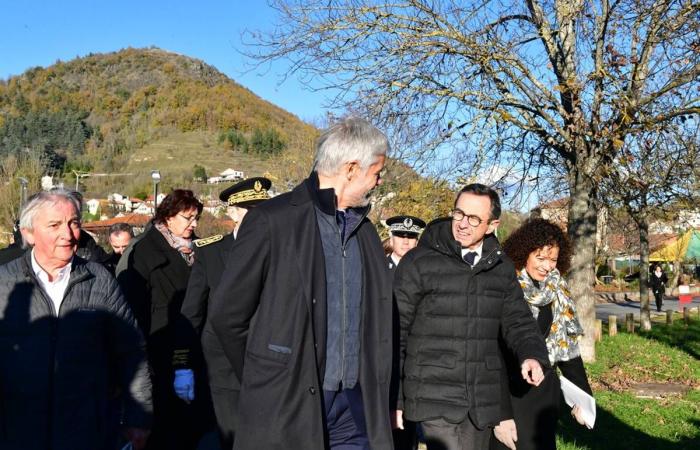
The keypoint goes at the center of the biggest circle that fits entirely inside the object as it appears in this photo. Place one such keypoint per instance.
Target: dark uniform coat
(154, 284)
(270, 313)
(223, 383)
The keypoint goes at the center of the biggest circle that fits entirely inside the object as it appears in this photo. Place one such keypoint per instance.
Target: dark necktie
(469, 258)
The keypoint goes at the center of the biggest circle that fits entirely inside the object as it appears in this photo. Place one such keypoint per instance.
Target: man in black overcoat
(304, 308)
(212, 253)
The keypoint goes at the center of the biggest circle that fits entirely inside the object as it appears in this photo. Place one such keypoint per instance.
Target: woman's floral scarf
(562, 340)
(182, 245)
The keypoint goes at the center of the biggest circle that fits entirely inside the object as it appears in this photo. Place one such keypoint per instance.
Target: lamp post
(155, 176)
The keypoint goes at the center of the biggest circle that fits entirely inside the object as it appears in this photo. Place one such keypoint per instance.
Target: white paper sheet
(574, 395)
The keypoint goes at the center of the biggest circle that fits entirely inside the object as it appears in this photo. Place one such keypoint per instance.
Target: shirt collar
(476, 250)
(42, 274)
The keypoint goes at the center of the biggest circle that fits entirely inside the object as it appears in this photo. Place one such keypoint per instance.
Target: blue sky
(37, 33)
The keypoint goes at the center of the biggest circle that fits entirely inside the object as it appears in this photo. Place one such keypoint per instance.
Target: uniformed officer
(212, 252)
(403, 236)
(404, 232)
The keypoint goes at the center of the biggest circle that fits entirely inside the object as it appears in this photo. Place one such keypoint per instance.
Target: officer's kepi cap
(405, 226)
(247, 193)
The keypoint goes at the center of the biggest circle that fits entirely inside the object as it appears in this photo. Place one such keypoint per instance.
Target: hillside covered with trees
(112, 118)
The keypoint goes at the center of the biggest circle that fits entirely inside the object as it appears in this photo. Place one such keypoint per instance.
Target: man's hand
(184, 384)
(532, 372)
(506, 433)
(397, 420)
(137, 437)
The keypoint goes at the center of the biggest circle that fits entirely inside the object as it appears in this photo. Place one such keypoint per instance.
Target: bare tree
(654, 173)
(559, 82)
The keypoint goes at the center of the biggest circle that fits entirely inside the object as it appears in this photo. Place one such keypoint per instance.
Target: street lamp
(155, 176)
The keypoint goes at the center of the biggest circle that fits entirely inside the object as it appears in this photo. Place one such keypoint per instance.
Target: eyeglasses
(190, 219)
(459, 215)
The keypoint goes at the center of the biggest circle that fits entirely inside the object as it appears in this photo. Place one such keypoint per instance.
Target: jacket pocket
(493, 362)
(437, 359)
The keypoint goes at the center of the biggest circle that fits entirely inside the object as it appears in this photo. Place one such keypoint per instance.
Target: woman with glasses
(541, 253)
(154, 284)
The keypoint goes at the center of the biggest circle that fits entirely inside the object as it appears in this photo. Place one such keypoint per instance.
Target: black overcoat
(154, 284)
(270, 314)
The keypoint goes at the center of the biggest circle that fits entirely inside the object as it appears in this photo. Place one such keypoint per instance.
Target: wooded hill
(126, 113)
(136, 110)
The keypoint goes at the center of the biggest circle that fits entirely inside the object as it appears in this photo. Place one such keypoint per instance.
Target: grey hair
(38, 201)
(352, 139)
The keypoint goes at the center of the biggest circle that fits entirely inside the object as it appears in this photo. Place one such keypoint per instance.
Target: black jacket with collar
(451, 317)
(269, 312)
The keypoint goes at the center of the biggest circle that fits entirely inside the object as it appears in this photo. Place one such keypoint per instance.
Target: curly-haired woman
(541, 254)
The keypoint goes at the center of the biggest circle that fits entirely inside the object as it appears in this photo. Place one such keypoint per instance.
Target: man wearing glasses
(456, 294)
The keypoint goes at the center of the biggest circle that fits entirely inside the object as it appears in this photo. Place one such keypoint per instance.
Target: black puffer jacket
(59, 373)
(451, 318)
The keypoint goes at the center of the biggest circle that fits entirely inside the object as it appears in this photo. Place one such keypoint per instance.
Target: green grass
(667, 354)
(179, 152)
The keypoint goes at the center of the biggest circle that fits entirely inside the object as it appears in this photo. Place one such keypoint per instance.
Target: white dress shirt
(56, 288)
(477, 250)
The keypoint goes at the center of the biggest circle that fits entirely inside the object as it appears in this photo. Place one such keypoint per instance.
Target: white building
(226, 176)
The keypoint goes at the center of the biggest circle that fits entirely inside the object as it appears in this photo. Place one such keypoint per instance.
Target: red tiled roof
(136, 220)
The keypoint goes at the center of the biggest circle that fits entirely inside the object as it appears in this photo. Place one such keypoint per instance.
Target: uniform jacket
(59, 372)
(451, 317)
(270, 314)
(206, 274)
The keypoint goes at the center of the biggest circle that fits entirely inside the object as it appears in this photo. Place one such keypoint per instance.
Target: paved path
(602, 311)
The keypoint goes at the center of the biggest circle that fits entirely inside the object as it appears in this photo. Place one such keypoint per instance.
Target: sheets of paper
(574, 395)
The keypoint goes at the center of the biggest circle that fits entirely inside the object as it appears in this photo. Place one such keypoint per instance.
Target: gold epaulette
(210, 240)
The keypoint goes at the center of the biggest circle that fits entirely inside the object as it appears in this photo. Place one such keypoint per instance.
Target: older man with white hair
(68, 342)
(303, 309)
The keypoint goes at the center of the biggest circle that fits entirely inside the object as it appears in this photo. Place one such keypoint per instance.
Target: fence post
(669, 317)
(612, 325)
(598, 330)
(686, 315)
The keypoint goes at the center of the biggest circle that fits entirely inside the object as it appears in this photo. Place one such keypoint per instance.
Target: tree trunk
(583, 219)
(644, 317)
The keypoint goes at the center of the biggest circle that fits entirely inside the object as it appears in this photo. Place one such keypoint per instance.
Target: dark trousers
(406, 439)
(345, 419)
(442, 435)
(225, 409)
(659, 297)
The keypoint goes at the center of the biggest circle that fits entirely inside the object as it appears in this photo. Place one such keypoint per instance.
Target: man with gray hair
(303, 309)
(68, 342)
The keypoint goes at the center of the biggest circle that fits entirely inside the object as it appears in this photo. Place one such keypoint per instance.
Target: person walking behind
(658, 281)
